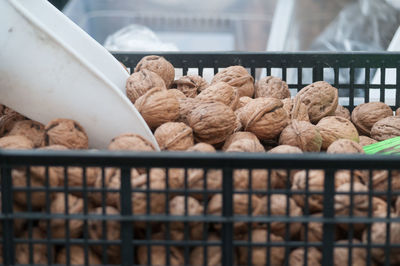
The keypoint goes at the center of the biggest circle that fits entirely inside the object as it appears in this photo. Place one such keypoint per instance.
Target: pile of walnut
(232, 114)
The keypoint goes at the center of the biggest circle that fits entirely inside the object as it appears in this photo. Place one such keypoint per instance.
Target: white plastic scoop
(50, 68)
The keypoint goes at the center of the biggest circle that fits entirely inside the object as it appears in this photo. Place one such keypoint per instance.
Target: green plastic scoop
(389, 146)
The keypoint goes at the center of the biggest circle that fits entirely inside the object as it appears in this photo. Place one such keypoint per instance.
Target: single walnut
(214, 253)
(77, 256)
(39, 251)
(342, 112)
(177, 94)
(16, 143)
(341, 254)
(31, 129)
(398, 111)
(158, 65)
(158, 106)
(296, 109)
(111, 232)
(193, 208)
(57, 206)
(364, 141)
(273, 87)
(314, 257)
(238, 136)
(174, 136)
(220, 92)
(335, 127)
(315, 184)
(301, 134)
(321, 99)
(212, 122)
(185, 107)
(246, 145)
(202, 147)
(365, 115)
(7, 120)
(243, 101)
(238, 77)
(279, 177)
(264, 117)
(66, 132)
(130, 142)
(141, 82)
(258, 178)
(386, 128)
(345, 146)
(259, 254)
(190, 85)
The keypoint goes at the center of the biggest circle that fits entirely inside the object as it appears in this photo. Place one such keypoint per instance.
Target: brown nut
(202, 147)
(345, 146)
(66, 132)
(246, 145)
(214, 253)
(302, 134)
(243, 101)
(259, 180)
(320, 98)
(31, 129)
(174, 136)
(342, 112)
(7, 120)
(259, 254)
(16, 143)
(57, 206)
(398, 111)
(238, 77)
(39, 251)
(264, 117)
(333, 128)
(296, 109)
(190, 85)
(273, 87)
(279, 177)
(158, 65)
(341, 254)
(141, 82)
(364, 141)
(198, 180)
(365, 115)
(130, 142)
(112, 232)
(212, 122)
(314, 257)
(380, 180)
(158, 106)
(77, 256)
(177, 94)
(238, 136)
(386, 128)
(185, 107)
(315, 183)
(314, 232)
(220, 92)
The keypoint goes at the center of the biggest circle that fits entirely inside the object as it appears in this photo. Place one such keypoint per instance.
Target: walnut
(321, 99)
(341, 254)
(273, 87)
(158, 106)
(342, 112)
(16, 143)
(141, 82)
(301, 134)
(314, 257)
(194, 208)
(57, 206)
(315, 183)
(31, 129)
(380, 180)
(333, 128)
(112, 232)
(238, 77)
(158, 65)
(315, 230)
(345, 146)
(259, 254)
(130, 142)
(220, 92)
(386, 128)
(279, 177)
(212, 122)
(77, 256)
(177, 94)
(276, 206)
(185, 107)
(259, 180)
(364, 141)
(238, 136)
(246, 145)
(214, 253)
(198, 180)
(174, 136)
(365, 115)
(296, 109)
(75, 176)
(191, 85)
(264, 117)
(398, 111)
(344, 176)
(66, 132)
(243, 101)
(7, 120)
(39, 251)
(202, 147)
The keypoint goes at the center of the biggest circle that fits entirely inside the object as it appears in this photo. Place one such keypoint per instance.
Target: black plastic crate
(230, 238)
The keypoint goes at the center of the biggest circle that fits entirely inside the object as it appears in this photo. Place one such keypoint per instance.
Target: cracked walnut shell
(272, 87)
(365, 115)
(158, 65)
(174, 136)
(141, 82)
(66, 132)
(190, 85)
(220, 92)
(386, 128)
(333, 128)
(238, 77)
(302, 134)
(31, 129)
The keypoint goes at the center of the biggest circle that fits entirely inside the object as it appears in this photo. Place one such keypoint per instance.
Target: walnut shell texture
(238, 136)
(386, 128)
(315, 230)
(333, 128)
(345, 146)
(365, 115)
(158, 65)
(301, 134)
(343, 112)
(364, 141)
(130, 142)
(314, 257)
(185, 107)
(273, 87)
(16, 143)
(77, 256)
(202, 147)
(158, 106)
(279, 177)
(296, 109)
(141, 82)
(39, 251)
(177, 94)
(190, 85)
(238, 77)
(259, 179)
(66, 132)
(7, 120)
(243, 101)
(246, 145)
(220, 92)
(315, 183)
(214, 253)
(341, 254)
(176, 136)
(31, 129)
